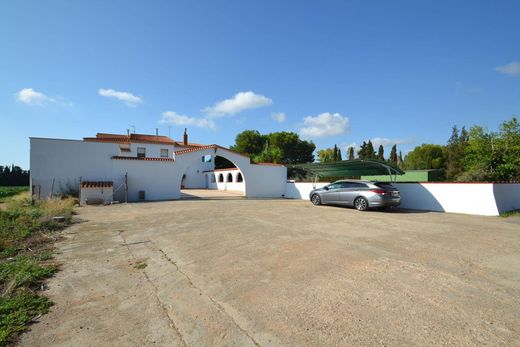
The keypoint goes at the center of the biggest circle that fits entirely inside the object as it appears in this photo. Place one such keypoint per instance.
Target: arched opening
(207, 175)
(239, 177)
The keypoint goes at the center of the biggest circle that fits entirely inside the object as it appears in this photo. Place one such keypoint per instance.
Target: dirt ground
(242, 272)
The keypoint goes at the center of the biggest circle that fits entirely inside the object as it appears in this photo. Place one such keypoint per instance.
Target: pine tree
(351, 153)
(362, 153)
(400, 161)
(380, 153)
(370, 153)
(393, 155)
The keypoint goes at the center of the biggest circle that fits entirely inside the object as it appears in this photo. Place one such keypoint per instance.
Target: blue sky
(336, 72)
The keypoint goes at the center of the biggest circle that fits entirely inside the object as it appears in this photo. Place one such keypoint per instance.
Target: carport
(351, 168)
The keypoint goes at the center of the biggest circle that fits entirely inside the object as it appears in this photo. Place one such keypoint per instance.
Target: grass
(140, 265)
(514, 213)
(27, 232)
(7, 192)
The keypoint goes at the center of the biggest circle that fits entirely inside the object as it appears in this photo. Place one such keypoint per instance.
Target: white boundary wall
(486, 199)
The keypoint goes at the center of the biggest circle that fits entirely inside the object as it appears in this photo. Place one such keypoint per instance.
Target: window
(221, 178)
(229, 177)
(141, 152)
(164, 152)
(239, 177)
(206, 158)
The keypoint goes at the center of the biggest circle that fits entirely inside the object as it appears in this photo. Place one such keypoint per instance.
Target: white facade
(226, 179)
(58, 165)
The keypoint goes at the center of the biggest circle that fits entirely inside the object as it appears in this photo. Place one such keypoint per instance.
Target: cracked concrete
(282, 272)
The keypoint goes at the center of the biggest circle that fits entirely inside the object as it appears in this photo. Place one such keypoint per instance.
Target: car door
(354, 190)
(344, 190)
(331, 194)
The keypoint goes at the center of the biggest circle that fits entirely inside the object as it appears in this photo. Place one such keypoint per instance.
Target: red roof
(118, 157)
(189, 150)
(139, 138)
(97, 184)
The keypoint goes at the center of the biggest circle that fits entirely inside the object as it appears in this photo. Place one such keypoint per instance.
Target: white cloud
(278, 116)
(32, 97)
(128, 98)
(513, 68)
(171, 117)
(240, 102)
(376, 141)
(324, 124)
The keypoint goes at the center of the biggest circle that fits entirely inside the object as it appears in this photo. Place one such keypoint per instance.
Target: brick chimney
(185, 137)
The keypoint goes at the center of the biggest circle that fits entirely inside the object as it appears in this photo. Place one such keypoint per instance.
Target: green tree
(380, 153)
(393, 155)
(455, 153)
(362, 152)
(370, 153)
(492, 156)
(326, 155)
(351, 153)
(425, 157)
(249, 142)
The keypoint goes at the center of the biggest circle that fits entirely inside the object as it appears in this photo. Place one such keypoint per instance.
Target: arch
(239, 178)
(229, 177)
(190, 160)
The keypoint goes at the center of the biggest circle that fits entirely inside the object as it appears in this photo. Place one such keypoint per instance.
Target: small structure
(96, 192)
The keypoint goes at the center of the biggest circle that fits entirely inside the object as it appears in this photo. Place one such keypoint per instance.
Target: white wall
(468, 198)
(486, 199)
(301, 190)
(259, 180)
(226, 185)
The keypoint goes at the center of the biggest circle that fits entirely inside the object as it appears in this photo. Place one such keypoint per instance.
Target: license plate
(395, 193)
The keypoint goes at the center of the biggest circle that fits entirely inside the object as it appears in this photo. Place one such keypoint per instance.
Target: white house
(146, 167)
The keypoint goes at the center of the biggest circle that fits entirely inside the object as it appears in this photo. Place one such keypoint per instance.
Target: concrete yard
(240, 272)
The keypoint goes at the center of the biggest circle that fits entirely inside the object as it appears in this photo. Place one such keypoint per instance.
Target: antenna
(132, 126)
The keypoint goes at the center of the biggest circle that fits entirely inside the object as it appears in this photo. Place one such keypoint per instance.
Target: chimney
(157, 132)
(185, 136)
(128, 132)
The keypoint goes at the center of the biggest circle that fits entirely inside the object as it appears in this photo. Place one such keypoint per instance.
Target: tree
(326, 155)
(393, 155)
(278, 147)
(351, 153)
(455, 153)
(492, 156)
(425, 157)
(370, 153)
(13, 176)
(329, 154)
(380, 153)
(362, 153)
(400, 161)
(249, 142)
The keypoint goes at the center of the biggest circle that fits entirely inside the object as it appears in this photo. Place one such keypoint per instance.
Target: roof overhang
(350, 168)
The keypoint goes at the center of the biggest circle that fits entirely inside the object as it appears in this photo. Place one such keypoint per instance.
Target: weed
(18, 310)
(140, 265)
(513, 213)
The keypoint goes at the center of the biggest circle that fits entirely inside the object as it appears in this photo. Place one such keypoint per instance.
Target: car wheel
(361, 204)
(316, 200)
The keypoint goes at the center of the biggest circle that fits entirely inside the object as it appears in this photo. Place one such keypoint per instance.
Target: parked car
(360, 194)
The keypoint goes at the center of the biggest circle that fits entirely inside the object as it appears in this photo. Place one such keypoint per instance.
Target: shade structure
(350, 168)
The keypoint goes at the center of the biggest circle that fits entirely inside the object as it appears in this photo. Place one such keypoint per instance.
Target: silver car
(359, 194)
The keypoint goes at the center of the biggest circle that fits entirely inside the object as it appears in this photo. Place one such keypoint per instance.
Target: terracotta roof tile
(189, 150)
(118, 157)
(97, 184)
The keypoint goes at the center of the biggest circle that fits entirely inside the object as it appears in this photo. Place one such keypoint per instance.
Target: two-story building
(143, 167)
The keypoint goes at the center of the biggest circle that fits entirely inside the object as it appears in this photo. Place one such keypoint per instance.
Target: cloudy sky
(336, 72)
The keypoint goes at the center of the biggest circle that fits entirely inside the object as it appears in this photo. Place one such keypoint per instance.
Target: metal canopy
(350, 168)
